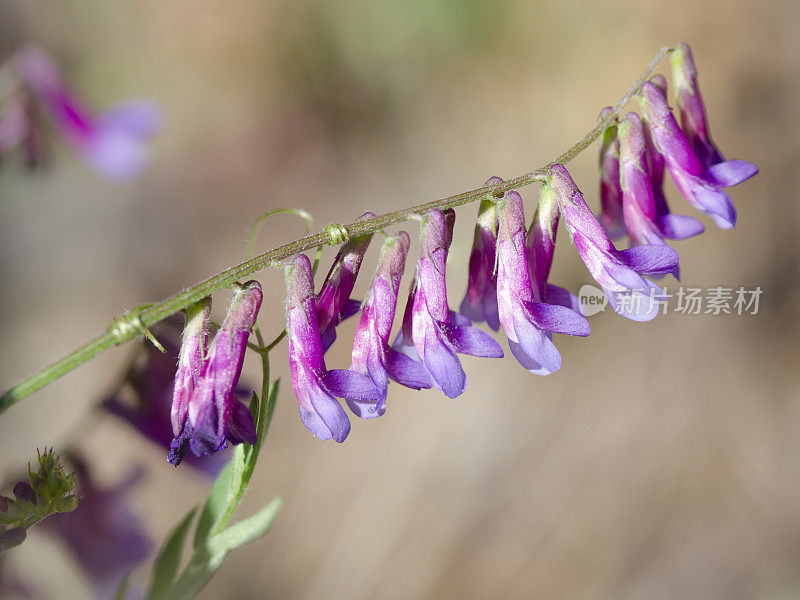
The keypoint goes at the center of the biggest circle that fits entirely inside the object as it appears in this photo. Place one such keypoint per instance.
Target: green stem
(134, 323)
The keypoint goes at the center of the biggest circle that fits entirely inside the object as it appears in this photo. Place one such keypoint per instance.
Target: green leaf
(208, 558)
(215, 506)
(243, 532)
(169, 559)
(122, 590)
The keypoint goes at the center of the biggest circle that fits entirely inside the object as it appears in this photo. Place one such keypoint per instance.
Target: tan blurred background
(662, 461)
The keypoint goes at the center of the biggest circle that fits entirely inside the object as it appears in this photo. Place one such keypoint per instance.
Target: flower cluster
(205, 411)
(508, 285)
(113, 143)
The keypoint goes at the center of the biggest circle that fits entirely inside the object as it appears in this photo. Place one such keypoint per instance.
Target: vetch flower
(215, 416)
(191, 361)
(674, 227)
(143, 398)
(333, 300)
(540, 246)
(694, 120)
(480, 301)
(619, 272)
(436, 333)
(527, 321)
(700, 186)
(105, 537)
(372, 355)
(316, 387)
(112, 143)
(644, 222)
(610, 192)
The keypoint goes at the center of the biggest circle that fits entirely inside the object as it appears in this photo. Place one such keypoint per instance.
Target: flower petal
(558, 319)
(730, 173)
(444, 366)
(470, 340)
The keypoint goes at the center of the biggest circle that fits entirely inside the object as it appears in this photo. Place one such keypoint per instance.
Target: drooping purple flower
(694, 121)
(104, 536)
(644, 222)
(527, 321)
(540, 245)
(112, 143)
(701, 187)
(215, 415)
(610, 192)
(372, 355)
(143, 398)
(480, 301)
(333, 300)
(674, 227)
(438, 334)
(191, 361)
(619, 272)
(316, 387)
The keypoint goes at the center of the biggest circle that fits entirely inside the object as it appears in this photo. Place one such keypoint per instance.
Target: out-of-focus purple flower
(333, 301)
(610, 192)
(694, 121)
(438, 334)
(143, 399)
(619, 272)
(527, 321)
(674, 227)
(316, 387)
(644, 222)
(480, 301)
(105, 537)
(215, 415)
(700, 186)
(112, 143)
(372, 355)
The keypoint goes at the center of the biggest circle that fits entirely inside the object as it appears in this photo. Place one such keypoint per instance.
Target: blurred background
(660, 462)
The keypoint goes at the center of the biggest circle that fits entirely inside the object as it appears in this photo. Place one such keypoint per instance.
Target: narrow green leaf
(215, 506)
(243, 532)
(169, 559)
(208, 559)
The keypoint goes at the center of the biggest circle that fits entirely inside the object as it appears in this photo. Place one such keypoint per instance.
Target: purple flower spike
(480, 301)
(437, 334)
(694, 121)
(215, 415)
(610, 192)
(333, 301)
(316, 387)
(527, 321)
(646, 224)
(113, 143)
(701, 187)
(619, 272)
(372, 355)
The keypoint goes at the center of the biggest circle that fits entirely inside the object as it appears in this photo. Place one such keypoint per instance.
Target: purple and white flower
(316, 387)
(215, 415)
(700, 186)
(372, 355)
(480, 301)
(619, 272)
(113, 143)
(435, 332)
(333, 300)
(610, 192)
(527, 321)
(694, 121)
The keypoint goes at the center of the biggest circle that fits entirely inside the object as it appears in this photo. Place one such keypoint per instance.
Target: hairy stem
(135, 323)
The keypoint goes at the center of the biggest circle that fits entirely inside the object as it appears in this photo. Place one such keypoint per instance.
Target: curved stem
(134, 323)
